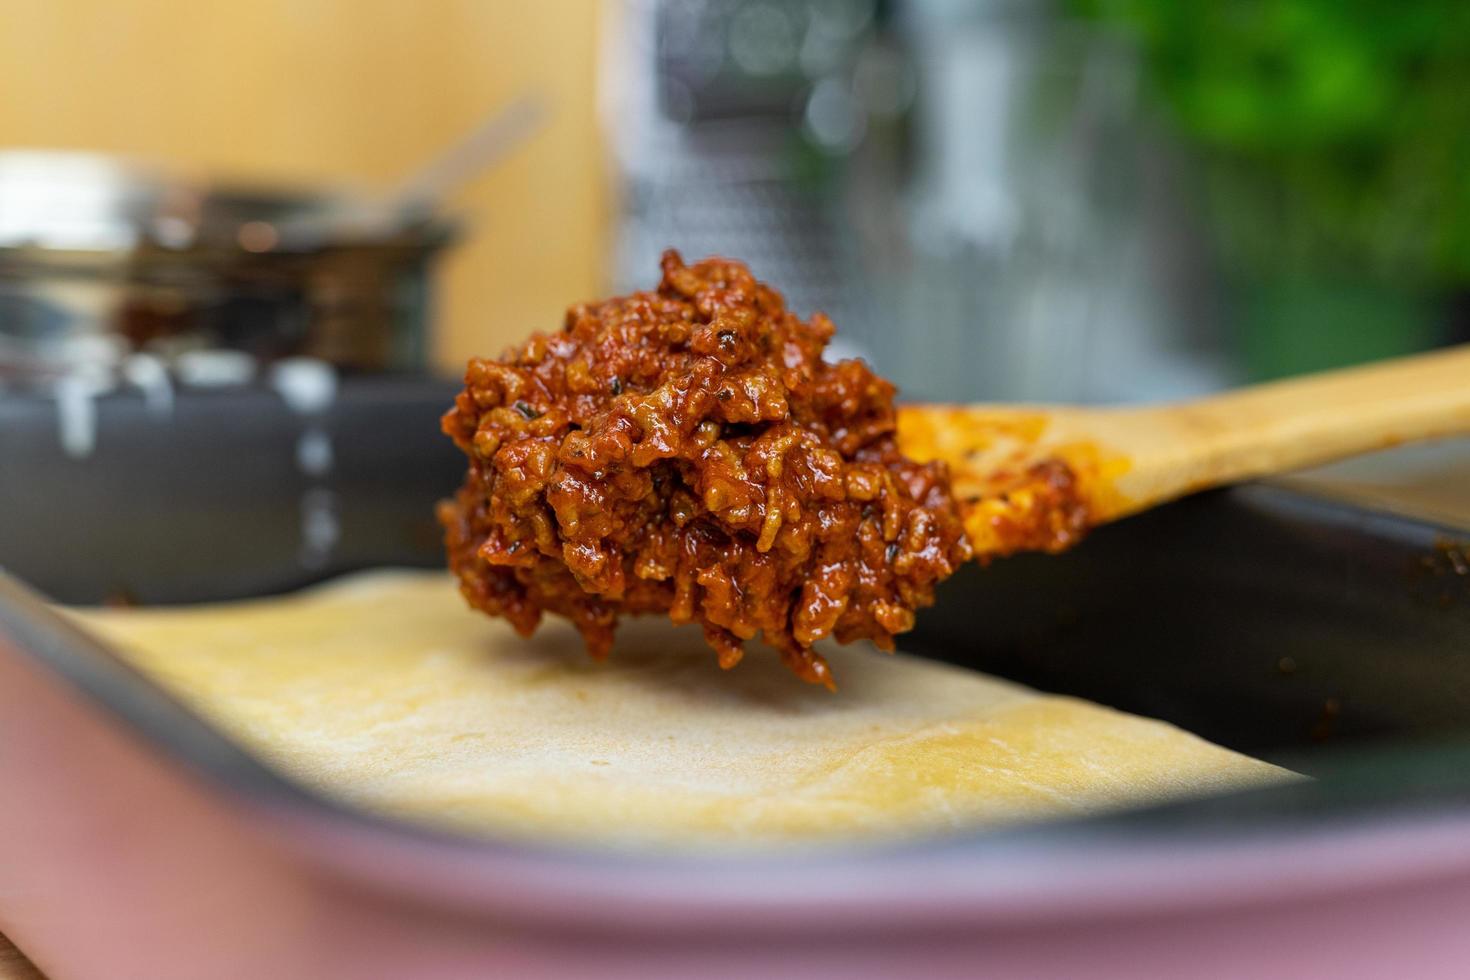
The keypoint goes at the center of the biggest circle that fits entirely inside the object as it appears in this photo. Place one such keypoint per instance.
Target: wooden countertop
(14, 965)
(1430, 482)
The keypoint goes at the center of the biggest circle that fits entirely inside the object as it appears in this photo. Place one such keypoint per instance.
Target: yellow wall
(329, 89)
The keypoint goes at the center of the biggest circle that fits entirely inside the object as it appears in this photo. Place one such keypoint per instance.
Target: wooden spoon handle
(1286, 425)
(1124, 460)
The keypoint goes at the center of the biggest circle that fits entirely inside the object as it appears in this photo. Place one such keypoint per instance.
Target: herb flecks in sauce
(688, 452)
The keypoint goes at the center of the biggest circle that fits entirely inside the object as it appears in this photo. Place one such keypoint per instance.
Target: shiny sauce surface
(687, 451)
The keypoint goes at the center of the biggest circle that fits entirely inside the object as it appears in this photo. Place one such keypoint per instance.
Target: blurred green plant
(1334, 135)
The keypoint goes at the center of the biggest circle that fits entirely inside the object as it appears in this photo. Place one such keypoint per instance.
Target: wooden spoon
(1037, 477)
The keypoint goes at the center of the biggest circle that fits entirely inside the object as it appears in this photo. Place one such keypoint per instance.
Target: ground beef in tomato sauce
(687, 451)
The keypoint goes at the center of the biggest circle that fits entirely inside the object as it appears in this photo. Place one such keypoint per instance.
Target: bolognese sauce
(687, 451)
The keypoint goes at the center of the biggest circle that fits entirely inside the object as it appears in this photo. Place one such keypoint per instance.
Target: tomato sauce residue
(687, 451)
(1016, 491)
(1044, 509)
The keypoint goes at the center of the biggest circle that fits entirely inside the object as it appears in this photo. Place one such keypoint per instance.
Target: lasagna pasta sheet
(382, 690)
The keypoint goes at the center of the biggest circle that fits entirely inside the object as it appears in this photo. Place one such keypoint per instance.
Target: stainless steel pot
(102, 259)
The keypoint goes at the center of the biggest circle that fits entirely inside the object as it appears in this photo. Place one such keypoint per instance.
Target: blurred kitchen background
(1089, 200)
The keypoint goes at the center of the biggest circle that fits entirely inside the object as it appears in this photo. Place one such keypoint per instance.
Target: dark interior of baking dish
(1329, 638)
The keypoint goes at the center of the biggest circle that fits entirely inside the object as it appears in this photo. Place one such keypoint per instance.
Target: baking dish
(135, 840)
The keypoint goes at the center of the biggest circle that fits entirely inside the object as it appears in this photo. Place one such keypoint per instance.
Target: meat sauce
(687, 451)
